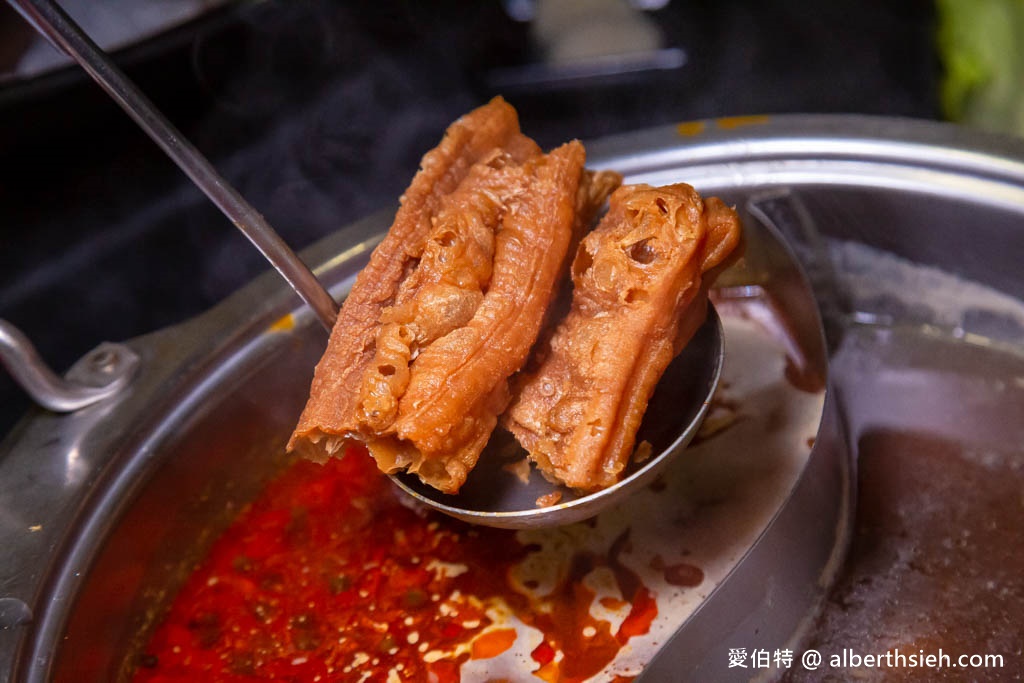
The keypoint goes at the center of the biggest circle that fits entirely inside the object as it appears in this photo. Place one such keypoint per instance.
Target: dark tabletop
(319, 112)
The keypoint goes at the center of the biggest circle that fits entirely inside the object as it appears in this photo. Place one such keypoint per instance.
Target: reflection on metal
(14, 612)
(104, 372)
(784, 211)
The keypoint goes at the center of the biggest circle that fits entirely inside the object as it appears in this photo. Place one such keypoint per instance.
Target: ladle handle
(63, 33)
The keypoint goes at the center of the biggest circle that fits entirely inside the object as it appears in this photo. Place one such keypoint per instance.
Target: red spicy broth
(328, 576)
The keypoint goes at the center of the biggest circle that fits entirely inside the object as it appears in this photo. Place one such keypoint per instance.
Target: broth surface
(329, 575)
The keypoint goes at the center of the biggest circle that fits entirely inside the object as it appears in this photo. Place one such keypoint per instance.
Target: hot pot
(105, 509)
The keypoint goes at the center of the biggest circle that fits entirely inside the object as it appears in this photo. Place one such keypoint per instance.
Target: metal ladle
(494, 495)
(491, 496)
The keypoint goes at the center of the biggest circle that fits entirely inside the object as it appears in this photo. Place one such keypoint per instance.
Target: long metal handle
(57, 27)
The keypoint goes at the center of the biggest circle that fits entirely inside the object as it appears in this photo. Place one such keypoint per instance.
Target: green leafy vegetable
(981, 43)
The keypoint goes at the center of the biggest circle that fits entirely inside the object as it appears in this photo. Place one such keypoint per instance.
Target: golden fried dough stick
(638, 299)
(331, 413)
(594, 190)
(452, 301)
(459, 384)
(446, 288)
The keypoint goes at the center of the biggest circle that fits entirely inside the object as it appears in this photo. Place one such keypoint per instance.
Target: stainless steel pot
(103, 510)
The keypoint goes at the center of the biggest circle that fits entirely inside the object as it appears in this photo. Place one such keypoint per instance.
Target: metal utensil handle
(111, 366)
(63, 33)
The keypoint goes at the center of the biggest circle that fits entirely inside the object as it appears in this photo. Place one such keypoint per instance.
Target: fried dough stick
(460, 317)
(331, 414)
(446, 288)
(638, 299)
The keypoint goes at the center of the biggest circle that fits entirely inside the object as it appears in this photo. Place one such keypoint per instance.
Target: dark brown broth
(937, 561)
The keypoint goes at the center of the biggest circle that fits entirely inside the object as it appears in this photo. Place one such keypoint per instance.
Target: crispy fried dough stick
(331, 413)
(459, 384)
(638, 299)
(445, 289)
(455, 306)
